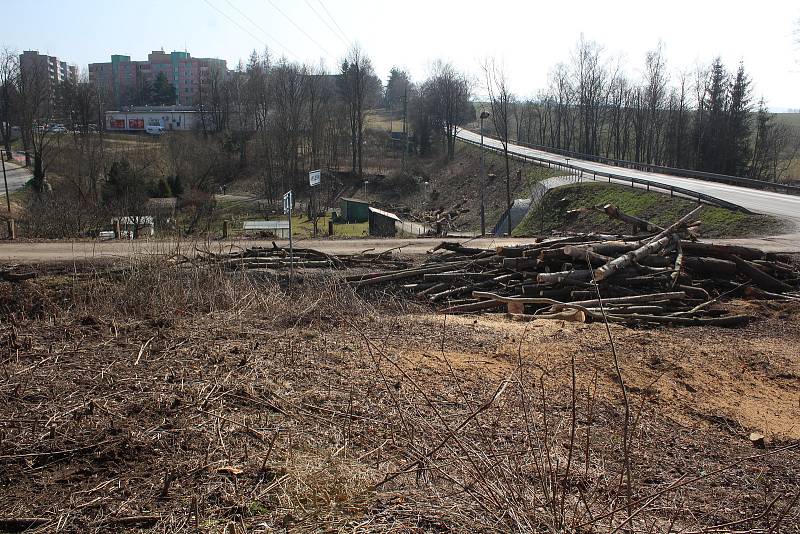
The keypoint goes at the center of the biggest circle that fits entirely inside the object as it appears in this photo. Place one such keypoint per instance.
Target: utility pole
(5, 181)
(11, 230)
(405, 126)
(484, 115)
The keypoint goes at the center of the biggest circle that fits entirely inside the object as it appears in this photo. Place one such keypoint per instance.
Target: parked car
(154, 130)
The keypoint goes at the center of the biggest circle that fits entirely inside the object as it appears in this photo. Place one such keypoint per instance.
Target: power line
(333, 20)
(262, 29)
(251, 34)
(301, 29)
(325, 22)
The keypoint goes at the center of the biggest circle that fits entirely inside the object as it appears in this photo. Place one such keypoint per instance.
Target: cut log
(519, 263)
(656, 244)
(759, 277)
(694, 292)
(777, 268)
(16, 277)
(458, 276)
(712, 266)
(614, 310)
(759, 294)
(724, 252)
(615, 213)
(400, 275)
(510, 251)
(584, 254)
(564, 276)
(726, 321)
(636, 299)
(626, 260)
(472, 307)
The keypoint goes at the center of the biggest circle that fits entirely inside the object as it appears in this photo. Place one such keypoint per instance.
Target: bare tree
(450, 90)
(37, 93)
(355, 77)
(502, 101)
(9, 76)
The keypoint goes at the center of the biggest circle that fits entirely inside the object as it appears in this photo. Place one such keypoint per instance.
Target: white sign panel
(287, 202)
(314, 177)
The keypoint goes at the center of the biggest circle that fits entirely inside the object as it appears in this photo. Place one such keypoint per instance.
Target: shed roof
(356, 200)
(385, 213)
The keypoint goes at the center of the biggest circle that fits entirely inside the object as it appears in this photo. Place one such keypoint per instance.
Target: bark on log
(473, 307)
(610, 248)
(615, 213)
(713, 266)
(635, 299)
(572, 316)
(691, 248)
(617, 264)
(759, 277)
(654, 245)
(564, 276)
(458, 276)
(694, 292)
(520, 263)
(379, 278)
(759, 294)
(728, 320)
(777, 268)
(583, 253)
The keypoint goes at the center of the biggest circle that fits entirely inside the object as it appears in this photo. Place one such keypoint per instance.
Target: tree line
(706, 120)
(270, 116)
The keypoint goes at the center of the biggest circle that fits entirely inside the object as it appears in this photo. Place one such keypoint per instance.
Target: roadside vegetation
(569, 209)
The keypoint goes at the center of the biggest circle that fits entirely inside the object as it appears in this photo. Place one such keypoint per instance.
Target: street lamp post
(484, 115)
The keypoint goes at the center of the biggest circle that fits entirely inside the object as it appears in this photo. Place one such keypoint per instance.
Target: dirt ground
(125, 406)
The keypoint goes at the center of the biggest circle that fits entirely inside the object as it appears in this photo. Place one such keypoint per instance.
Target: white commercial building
(136, 120)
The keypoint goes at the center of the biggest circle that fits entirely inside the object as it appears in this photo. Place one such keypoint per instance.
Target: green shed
(354, 210)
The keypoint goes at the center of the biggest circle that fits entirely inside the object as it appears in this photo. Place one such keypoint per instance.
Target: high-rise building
(127, 82)
(50, 68)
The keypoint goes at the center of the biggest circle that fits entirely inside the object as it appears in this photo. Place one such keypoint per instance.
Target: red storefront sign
(117, 123)
(136, 124)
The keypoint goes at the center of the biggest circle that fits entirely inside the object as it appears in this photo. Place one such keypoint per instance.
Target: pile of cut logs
(666, 277)
(305, 258)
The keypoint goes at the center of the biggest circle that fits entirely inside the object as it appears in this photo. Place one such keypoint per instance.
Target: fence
(610, 176)
(751, 183)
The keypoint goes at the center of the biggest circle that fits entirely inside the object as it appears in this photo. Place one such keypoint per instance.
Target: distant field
(789, 119)
(379, 119)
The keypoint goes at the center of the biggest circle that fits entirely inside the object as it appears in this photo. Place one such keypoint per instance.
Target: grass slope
(656, 207)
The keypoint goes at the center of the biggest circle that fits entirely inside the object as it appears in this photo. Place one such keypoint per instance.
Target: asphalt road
(767, 202)
(16, 176)
(60, 251)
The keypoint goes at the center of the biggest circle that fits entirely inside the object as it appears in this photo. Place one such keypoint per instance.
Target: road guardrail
(751, 183)
(648, 184)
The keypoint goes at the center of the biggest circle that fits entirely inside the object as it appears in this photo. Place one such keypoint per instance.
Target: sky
(527, 37)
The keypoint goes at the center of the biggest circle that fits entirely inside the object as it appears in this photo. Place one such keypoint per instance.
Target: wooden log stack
(663, 278)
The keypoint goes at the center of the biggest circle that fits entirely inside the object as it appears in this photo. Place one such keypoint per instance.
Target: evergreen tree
(712, 120)
(739, 126)
(396, 88)
(163, 91)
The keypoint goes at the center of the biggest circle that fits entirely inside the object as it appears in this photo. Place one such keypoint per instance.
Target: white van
(154, 130)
